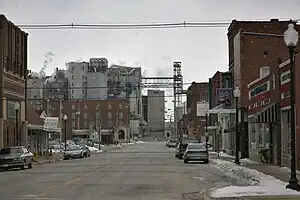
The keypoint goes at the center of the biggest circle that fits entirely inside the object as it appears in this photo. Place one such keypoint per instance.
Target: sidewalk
(281, 173)
(48, 159)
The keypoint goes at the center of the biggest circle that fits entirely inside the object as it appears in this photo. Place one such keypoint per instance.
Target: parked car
(15, 157)
(183, 145)
(167, 142)
(196, 152)
(86, 150)
(73, 151)
(172, 143)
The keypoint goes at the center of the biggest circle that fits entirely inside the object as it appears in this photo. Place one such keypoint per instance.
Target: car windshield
(11, 150)
(196, 147)
(73, 148)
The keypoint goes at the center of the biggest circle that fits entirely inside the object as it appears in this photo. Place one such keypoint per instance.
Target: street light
(206, 127)
(291, 37)
(65, 118)
(237, 94)
(17, 108)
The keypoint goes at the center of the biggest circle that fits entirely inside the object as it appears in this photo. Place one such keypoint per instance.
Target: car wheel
(186, 161)
(206, 161)
(30, 166)
(176, 156)
(180, 157)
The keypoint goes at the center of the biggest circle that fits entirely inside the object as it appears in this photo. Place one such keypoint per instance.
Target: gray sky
(202, 51)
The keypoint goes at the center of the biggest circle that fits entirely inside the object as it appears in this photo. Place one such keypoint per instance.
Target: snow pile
(261, 184)
(95, 150)
(140, 142)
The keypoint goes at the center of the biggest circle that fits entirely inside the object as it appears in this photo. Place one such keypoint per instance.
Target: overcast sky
(202, 51)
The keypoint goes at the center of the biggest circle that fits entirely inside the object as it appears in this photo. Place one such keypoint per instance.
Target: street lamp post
(206, 128)
(65, 118)
(17, 108)
(236, 94)
(291, 37)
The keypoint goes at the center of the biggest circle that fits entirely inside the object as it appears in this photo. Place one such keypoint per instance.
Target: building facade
(254, 60)
(13, 71)
(156, 113)
(77, 79)
(196, 92)
(97, 79)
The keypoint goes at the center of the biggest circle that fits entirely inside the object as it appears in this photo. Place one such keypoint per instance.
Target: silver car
(196, 152)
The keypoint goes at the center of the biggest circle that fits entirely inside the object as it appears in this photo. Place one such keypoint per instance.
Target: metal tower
(178, 90)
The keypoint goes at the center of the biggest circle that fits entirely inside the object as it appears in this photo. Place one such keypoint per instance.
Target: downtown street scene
(102, 100)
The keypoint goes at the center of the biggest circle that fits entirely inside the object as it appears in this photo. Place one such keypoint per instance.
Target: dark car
(15, 157)
(86, 150)
(183, 145)
(73, 151)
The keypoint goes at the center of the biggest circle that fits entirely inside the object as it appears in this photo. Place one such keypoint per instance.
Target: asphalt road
(140, 171)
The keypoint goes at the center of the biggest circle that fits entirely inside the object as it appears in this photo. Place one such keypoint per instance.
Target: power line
(125, 26)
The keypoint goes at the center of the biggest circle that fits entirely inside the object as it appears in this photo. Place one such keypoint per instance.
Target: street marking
(47, 189)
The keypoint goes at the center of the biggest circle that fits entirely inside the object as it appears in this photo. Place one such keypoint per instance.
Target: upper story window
(285, 77)
(264, 71)
(109, 106)
(259, 89)
(203, 95)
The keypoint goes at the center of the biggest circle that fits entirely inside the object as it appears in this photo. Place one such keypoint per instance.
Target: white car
(196, 152)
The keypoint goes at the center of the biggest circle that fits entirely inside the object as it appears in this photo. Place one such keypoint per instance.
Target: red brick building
(13, 68)
(249, 52)
(252, 56)
(197, 92)
(83, 114)
(264, 94)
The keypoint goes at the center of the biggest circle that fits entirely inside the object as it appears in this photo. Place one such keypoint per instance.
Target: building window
(285, 95)
(109, 106)
(85, 106)
(83, 77)
(85, 124)
(203, 96)
(258, 104)
(252, 106)
(120, 106)
(285, 77)
(259, 89)
(109, 115)
(73, 124)
(85, 115)
(73, 107)
(267, 101)
(73, 77)
(73, 116)
(121, 115)
(109, 123)
(264, 71)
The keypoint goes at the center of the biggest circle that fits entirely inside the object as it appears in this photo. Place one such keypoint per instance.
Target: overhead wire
(124, 26)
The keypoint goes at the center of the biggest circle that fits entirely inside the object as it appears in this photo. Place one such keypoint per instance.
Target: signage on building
(224, 96)
(51, 124)
(202, 108)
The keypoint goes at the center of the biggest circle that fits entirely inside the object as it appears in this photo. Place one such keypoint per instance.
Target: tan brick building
(13, 68)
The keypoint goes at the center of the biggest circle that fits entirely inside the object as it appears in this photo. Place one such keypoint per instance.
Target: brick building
(197, 92)
(254, 60)
(249, 52)
(13, 68)
(83, 115)
(264, 94)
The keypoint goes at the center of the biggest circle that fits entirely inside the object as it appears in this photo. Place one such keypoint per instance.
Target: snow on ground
(224, 155)
(140, 142)
(260, 184)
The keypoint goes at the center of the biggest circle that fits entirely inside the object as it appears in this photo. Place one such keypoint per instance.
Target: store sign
(51, 124)
(202, 108)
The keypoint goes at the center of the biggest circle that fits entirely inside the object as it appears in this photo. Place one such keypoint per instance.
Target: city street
(140, 171)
